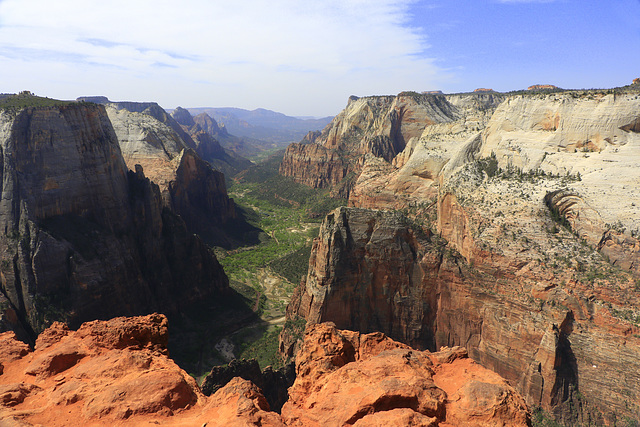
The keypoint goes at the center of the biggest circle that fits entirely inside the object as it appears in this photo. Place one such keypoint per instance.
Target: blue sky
(306, 58)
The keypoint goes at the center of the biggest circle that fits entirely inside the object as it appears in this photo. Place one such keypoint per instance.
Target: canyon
(504, 223)
(486, 264)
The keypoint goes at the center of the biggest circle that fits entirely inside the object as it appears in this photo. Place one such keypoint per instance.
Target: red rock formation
(636, 81)
(313, 165)
(374, 271)
(348, 378)
(542, 87)
(117, 373)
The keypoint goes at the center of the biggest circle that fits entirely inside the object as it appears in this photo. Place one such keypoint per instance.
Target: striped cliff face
(82, 237)
(534, 202)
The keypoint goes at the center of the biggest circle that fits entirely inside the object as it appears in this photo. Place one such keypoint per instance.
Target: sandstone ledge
(117, 372)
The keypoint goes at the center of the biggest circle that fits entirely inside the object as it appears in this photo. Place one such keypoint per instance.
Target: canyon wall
(188, 184)
(382, 126)
(558, 344)
(81, 237)
(515, 234)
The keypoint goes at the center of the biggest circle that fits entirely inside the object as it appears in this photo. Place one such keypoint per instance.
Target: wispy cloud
(264, 50)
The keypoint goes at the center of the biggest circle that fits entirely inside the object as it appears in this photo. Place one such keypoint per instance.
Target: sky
(305, 58)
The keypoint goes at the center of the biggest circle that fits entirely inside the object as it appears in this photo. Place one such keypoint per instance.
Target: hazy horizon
(307, 59)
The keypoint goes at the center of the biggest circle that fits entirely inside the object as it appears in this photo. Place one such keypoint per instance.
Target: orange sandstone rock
(116, 372)
(541, 87)
(348, 378)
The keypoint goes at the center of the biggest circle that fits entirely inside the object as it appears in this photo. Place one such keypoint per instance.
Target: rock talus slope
(519, 242)
(117, 372)
(82, 237)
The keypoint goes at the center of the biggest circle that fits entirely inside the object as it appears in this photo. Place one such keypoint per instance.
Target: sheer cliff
(81, 237)
(513, 232)
(188, 184)
(382, 126)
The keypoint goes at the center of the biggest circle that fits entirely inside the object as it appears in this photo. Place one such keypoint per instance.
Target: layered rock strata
(188, 184)
(382, 126)
(551, 333)
(118, 373)
(80, 236)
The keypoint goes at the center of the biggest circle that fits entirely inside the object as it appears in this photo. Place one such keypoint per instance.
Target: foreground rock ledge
(117, 372)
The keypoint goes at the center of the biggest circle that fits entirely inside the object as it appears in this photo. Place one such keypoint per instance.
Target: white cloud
(299, 57)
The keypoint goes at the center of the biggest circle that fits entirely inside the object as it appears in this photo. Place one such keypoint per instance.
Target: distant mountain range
(265, 125)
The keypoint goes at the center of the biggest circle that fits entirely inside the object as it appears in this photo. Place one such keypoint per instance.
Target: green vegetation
(489, 165)
(557, 217)
(26, 99)
(541, 418)
(262, 182)
(264, 350)
(294, 265)
(288, 213)
(263, 275)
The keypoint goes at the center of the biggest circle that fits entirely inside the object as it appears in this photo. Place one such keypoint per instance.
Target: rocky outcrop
(188, 184)
(381, 126)
(117, 372)
(81, 237)
(542, 87)
(348, 378)
(553, 337)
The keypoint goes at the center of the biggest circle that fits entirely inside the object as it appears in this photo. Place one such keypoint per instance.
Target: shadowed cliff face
(188, 184)
(376, 271)
(80, 237)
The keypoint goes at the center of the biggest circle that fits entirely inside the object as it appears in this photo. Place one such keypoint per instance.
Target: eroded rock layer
(551, 334)
(80, 236)
(169, 157)
(117, 373)
(382, 126)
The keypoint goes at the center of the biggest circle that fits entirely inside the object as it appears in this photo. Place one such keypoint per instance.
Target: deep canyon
(486, 264)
